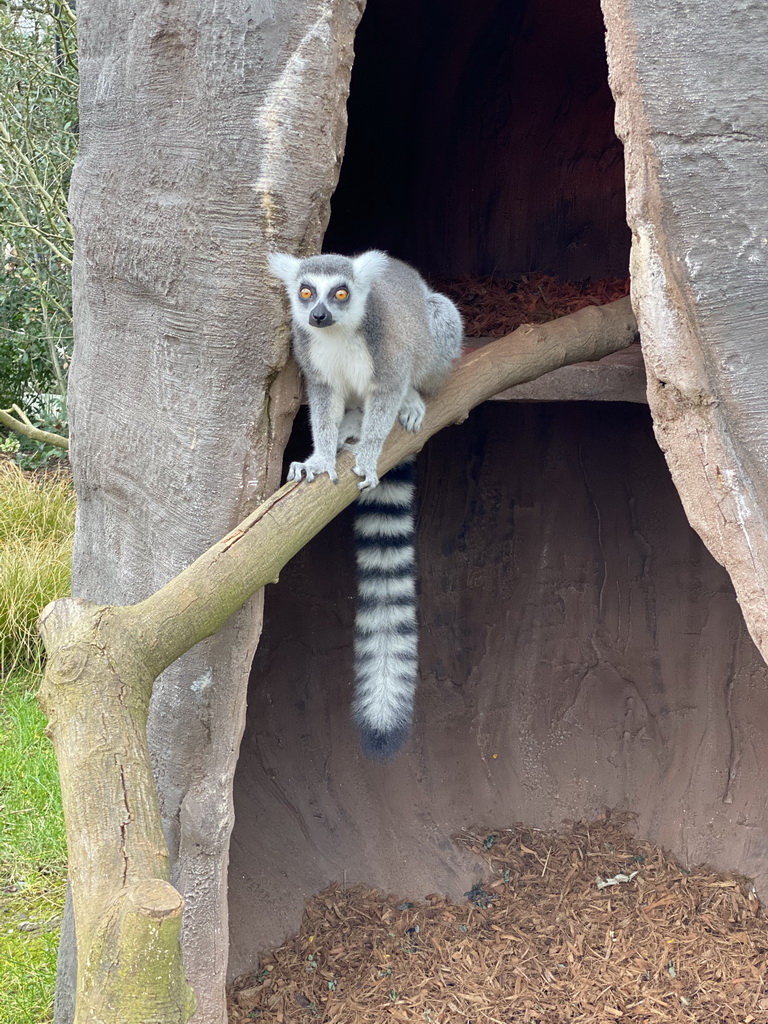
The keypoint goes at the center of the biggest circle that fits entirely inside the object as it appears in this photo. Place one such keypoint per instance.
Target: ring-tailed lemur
(371, 337)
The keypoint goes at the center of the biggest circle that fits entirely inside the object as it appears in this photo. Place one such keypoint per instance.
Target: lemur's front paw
(314, 466)
(411, 413)
(366, 468)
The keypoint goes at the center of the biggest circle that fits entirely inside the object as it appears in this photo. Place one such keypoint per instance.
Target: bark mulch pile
(587, 925)
(492, 308)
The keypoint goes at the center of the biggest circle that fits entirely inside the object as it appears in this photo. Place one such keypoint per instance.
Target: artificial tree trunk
(103, 661)
(198, 154)
(689, 83)
(691, 108)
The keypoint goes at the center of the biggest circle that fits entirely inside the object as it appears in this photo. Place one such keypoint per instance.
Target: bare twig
(18, 426)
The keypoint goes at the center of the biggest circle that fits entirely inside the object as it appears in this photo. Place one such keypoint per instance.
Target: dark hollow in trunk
(581, 649)
(481, 140)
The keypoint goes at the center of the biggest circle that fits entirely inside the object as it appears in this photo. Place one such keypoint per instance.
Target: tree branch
(252, 554)
(34, 433)
(103, 660)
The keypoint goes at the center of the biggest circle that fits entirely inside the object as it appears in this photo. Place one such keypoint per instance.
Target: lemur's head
(328, 289)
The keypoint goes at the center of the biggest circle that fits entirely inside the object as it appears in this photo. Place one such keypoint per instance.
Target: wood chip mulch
(588, 925)
(492, 307)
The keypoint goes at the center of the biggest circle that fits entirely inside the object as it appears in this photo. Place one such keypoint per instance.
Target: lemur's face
(324, 299)
(328, 290)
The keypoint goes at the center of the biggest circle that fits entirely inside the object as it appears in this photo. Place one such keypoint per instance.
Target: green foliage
(36, 527)
(10, 445)
(29, 454)
(38, 140)
(32, 855)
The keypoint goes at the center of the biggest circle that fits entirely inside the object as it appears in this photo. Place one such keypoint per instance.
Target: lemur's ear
(284, 266)
(368, 266)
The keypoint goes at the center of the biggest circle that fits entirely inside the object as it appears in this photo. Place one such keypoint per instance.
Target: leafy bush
(38, 140)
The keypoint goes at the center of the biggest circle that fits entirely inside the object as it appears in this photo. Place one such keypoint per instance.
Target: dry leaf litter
(492, 307)
(589, 925)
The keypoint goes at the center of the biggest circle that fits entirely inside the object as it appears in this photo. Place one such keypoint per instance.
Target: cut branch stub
(139, 937)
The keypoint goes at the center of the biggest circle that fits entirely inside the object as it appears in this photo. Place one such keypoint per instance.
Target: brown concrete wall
(573, 625)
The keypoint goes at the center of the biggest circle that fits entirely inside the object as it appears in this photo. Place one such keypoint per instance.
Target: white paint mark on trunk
(282, 117)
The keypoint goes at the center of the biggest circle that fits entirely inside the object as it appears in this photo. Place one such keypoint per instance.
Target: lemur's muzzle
(320, 316)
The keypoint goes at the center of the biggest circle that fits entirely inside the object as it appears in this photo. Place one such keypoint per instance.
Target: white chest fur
(342, 359)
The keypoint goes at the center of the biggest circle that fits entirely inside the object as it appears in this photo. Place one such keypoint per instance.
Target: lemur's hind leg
(350, 429)
(412, 410)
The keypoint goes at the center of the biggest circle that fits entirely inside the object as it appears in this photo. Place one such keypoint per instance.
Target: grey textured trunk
(198, 154)
(689, 80)
(692, 109)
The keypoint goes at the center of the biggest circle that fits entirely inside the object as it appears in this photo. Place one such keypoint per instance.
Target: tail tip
(381, 745)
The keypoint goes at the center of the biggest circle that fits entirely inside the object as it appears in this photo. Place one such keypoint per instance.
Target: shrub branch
(24, 427)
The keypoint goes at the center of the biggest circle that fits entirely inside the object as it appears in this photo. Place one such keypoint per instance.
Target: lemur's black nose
(320, 316)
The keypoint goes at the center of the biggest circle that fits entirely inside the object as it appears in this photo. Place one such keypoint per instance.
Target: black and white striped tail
(386, 632)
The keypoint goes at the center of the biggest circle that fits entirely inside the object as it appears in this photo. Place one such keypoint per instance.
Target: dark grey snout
(320, 316)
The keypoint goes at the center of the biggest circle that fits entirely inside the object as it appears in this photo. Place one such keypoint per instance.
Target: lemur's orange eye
(305, 293)
(342, 294)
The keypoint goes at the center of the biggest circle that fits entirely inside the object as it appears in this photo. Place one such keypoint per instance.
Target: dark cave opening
(481, 141)
(580, 649)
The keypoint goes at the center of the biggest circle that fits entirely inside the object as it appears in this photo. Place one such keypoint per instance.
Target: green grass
(32, 855)
(36, 523)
